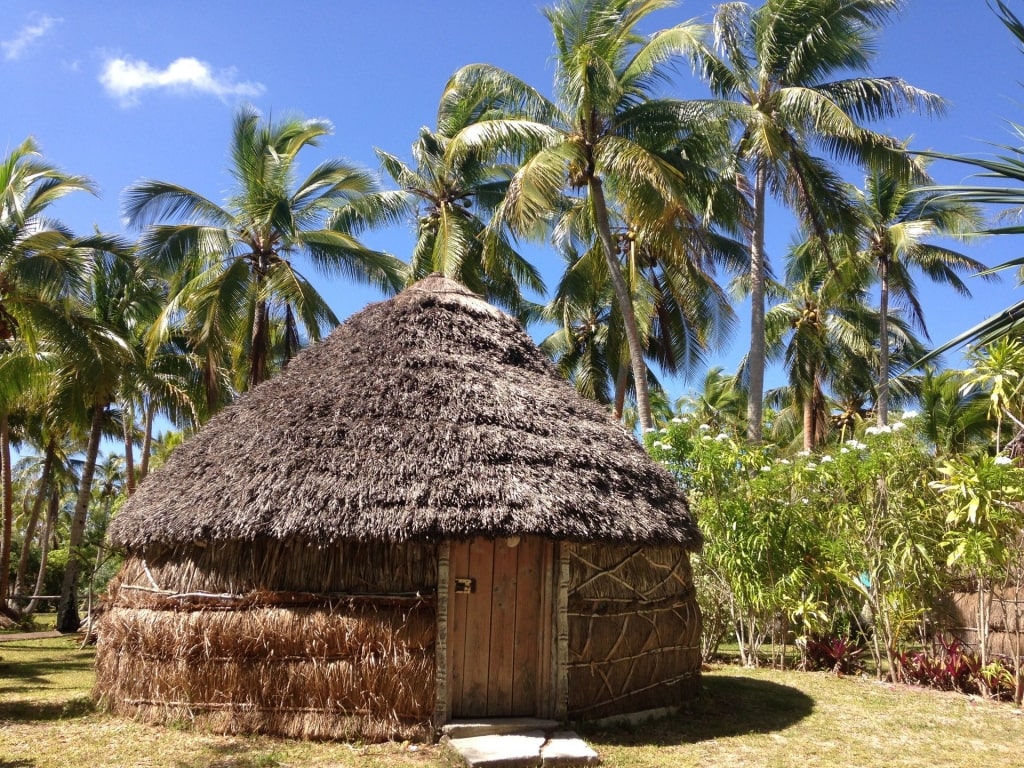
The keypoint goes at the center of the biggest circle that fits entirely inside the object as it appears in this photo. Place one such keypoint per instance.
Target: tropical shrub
(797, 540)
(841, 655)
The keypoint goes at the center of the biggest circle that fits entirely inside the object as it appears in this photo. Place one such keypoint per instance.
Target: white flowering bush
(843, 541)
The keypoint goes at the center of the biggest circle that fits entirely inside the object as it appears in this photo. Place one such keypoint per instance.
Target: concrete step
(525, 749)
(461, 729)
(565, 748)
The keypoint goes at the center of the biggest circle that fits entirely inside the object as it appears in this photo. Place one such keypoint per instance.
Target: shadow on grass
(729, 706)
(232, 756)
(28, 710)
(29, 667)
(17, 763)
(29, 678)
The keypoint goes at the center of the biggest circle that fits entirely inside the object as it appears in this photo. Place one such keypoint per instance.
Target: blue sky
(121, 90)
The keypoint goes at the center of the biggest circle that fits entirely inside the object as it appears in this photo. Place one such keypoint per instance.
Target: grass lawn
(746, 718)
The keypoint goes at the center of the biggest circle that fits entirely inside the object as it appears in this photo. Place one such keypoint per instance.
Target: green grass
(745, 718)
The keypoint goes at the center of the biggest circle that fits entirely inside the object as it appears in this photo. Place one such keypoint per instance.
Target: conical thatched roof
(431, 415)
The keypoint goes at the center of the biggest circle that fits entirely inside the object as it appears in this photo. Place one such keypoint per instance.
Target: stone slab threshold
(517, 743)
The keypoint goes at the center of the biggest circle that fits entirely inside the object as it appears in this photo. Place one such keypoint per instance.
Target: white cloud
(27, 35)
(126, 79)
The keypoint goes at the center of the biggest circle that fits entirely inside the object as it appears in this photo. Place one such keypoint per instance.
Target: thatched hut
(417, 521)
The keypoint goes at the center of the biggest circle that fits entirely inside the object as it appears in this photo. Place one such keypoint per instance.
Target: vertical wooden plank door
(500, 628)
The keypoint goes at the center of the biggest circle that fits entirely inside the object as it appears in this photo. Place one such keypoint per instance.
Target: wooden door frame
(554, 665)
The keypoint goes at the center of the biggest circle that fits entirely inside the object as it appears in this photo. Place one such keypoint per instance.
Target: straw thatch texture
(432, 415)
(303, 673)
(958, 615)
(274, 637)
(238, 568)
(634, 629)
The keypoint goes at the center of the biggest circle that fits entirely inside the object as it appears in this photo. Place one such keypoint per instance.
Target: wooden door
(500, 623)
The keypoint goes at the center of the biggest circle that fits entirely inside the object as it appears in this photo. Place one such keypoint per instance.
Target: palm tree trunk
(8, 507)
(67, 609)
(809, 424)
(291, 335)
(625, 302)
(882, 404)
(37, 507)
(44, 554)
(211, 383)
(821, 413)
(756, 357)
(147, 440)
(815, 417)
(260, 345)
(621, 382)
(128, 422)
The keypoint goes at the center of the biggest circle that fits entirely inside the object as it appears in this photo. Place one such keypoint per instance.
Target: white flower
(721, 436)
(784, 461)
(871, 431)
(766, 468)
(676, 420)
(898, 426)
(844, 449)
(649, 430)
(811, 465)
(909, 415)
(1003, 460)
(826, 458)
(709, 438)
(804, 501)
(664, 430)
(704, 427)
(804, 453)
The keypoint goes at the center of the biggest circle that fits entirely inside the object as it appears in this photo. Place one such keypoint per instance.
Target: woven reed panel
(634, 629)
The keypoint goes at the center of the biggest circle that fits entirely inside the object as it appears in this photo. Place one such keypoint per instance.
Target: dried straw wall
(307, 642)
(958, 615)
(634, 629)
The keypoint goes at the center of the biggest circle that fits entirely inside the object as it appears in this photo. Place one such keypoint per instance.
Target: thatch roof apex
(430, 415)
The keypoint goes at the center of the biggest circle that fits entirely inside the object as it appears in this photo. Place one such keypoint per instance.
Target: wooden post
(562, 631)
(441, 646)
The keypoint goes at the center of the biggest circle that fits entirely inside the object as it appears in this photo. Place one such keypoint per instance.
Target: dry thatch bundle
(274, 637)
(304, 673)
(958, 615)
(431, 415)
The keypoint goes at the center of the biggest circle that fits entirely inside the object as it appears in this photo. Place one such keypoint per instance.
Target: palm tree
(952, 420)
(682, 312)
(774, 74)
(825, 332)
(587, 345)
(94, 355)
(998, 370)
(819, 319)
(898, 219)
(721, 402)
(604, 133)
(166, 378)
(38, 267)
(451, 200)
(57, 477)
(230, 266)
